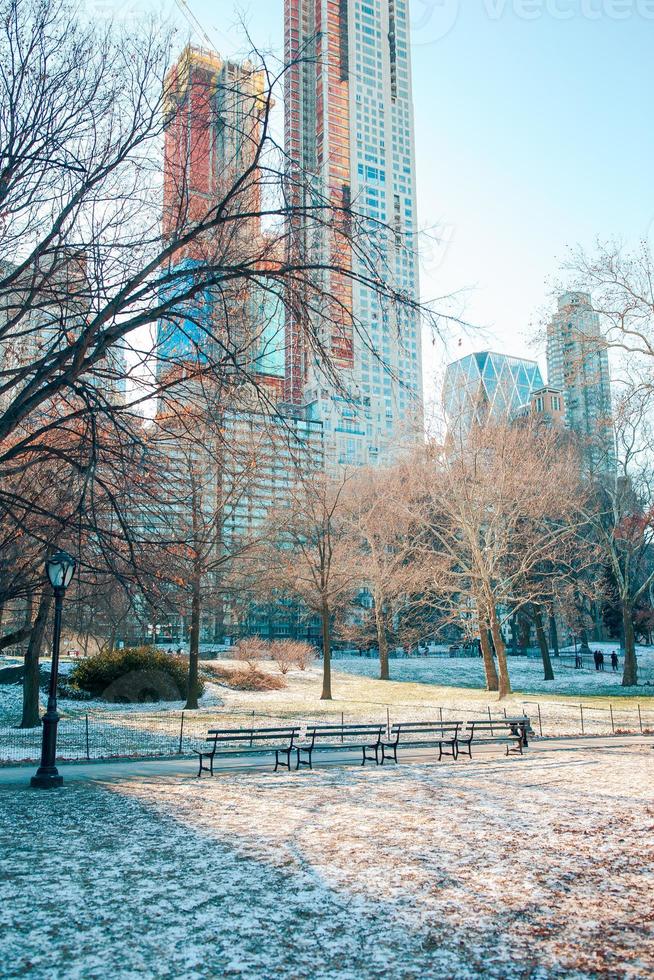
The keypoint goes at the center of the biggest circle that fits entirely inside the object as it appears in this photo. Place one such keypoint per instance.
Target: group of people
(598, 657)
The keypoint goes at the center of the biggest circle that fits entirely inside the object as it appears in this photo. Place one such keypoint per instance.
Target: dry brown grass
(242, 678)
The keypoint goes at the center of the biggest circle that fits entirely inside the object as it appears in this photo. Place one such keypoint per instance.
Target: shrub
(133, 675)
(303, 654)
(247, 679)
(281, 651)
(291, 653)
(252, 650)
(67, 691)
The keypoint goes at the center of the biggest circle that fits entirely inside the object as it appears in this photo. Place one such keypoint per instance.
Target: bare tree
(495, 507)
(621, 283)
(382, 538)
(620, 513)
(311, 557)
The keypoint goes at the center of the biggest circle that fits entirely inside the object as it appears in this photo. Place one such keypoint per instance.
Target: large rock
(12, 675)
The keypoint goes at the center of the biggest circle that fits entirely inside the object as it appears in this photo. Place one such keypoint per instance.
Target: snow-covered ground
(536, 867)
(526, 674)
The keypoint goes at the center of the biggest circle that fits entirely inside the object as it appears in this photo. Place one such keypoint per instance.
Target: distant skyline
(533, 135)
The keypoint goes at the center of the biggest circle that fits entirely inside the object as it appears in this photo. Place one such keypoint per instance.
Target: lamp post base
(47, 780)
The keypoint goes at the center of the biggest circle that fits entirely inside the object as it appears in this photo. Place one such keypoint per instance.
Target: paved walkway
(125, 769)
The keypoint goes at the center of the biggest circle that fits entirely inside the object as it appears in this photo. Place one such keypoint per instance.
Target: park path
(120, 770)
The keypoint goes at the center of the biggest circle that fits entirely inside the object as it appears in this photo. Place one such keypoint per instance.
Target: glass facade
(487, 386)
(578, 364)
(349, 121)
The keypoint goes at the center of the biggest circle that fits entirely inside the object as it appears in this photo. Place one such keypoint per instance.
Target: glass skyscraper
(349, 129)
(486, 387)
(578, 364)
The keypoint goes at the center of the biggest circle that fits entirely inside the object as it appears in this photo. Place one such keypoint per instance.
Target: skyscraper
(578, 364)
(214, 110)
(213, 121)
(486, 387)
(350, 133)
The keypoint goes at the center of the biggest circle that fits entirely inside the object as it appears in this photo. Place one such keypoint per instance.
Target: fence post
(252, 730)
(490, 720)
(388, 722)
(640, 720)
(181, 733)
(581, 709)
(612, 725)
(342, 725)
(540, 721)
(88, 753)
(440, 710)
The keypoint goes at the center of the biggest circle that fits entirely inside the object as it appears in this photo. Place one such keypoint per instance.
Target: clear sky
(534, 133)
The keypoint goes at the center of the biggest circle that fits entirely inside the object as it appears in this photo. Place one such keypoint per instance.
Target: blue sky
(533, 123)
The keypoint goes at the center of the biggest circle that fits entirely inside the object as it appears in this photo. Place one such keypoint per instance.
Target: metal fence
(118, 734)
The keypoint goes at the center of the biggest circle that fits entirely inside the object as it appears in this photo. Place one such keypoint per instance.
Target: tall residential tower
(578, 364)
(350, 136)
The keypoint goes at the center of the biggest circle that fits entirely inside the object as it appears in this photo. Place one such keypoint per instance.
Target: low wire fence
(116, 734)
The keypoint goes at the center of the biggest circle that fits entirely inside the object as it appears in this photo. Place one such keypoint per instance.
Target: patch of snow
(535, 867)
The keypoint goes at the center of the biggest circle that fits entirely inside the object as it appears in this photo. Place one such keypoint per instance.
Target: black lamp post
(60, 569)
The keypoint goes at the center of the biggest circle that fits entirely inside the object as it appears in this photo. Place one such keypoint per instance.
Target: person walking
(614, 661)
(596, 658)
(601, 660)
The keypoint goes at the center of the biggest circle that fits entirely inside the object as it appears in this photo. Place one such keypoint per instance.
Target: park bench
(340, 738)
(423, 734)
(248, 741)
(511, 732)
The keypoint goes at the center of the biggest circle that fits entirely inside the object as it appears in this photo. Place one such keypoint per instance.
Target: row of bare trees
(469, 534)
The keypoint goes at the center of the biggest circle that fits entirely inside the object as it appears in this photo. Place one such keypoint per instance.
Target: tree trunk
(584, 642)
(524, 633)
(194, 647)
(382, 642)
(597, 622)
(514, 635)
(548, 673)
(31, 717)
(326, 655)
(492, 683)
(554, 635)
(500, 651)
(630, 673)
